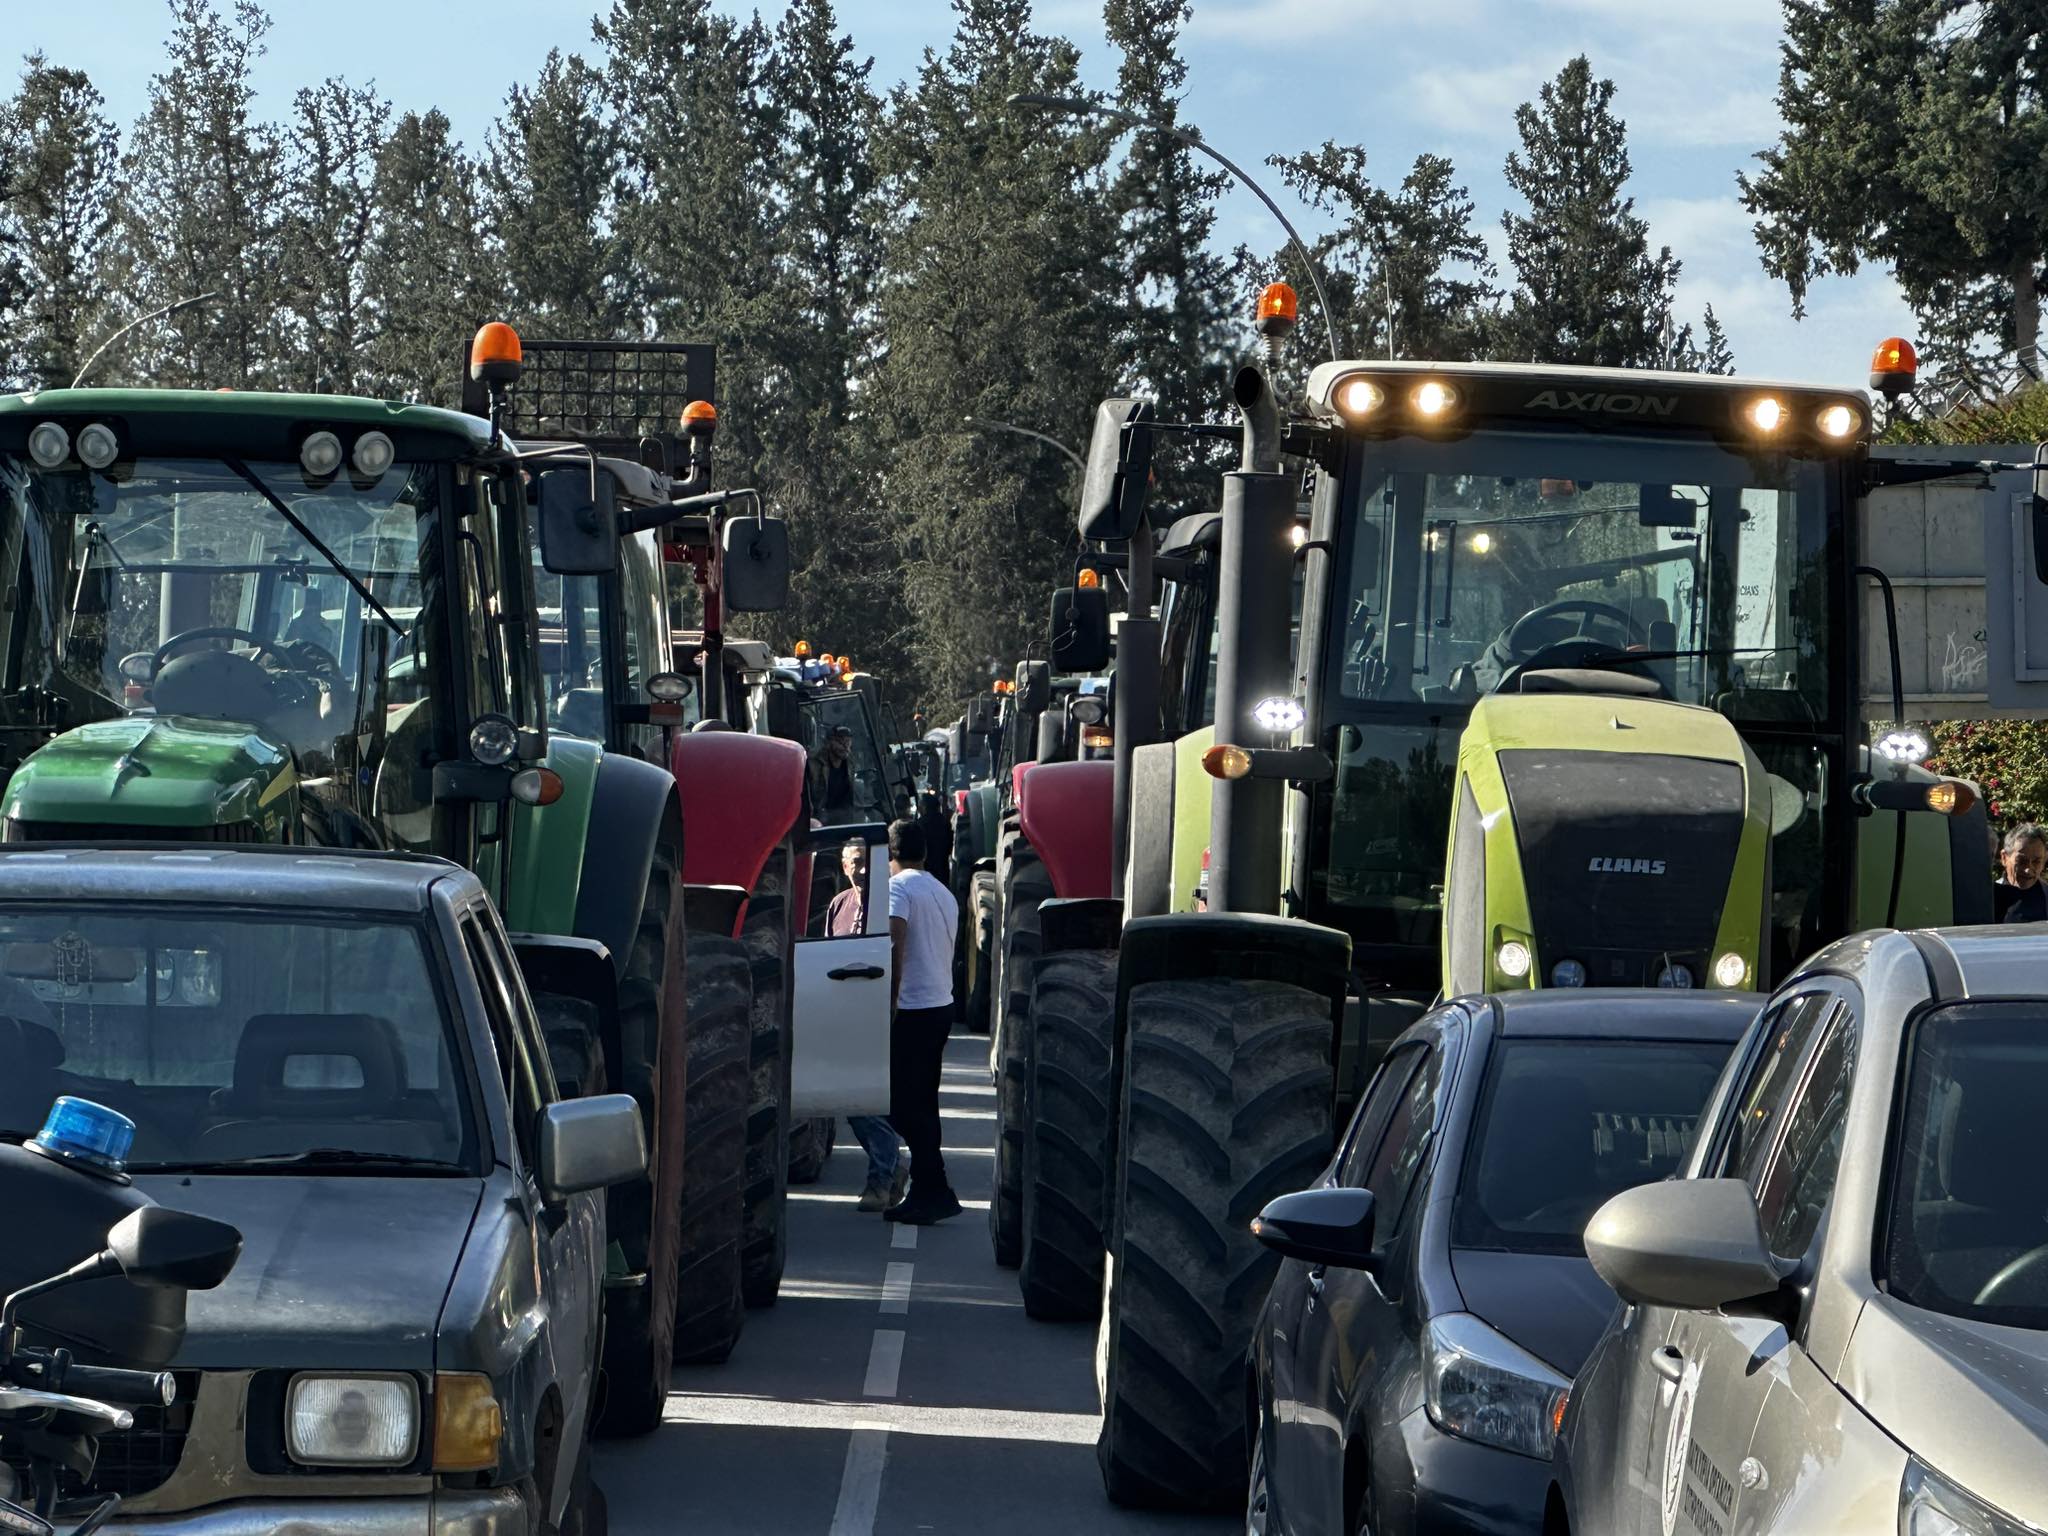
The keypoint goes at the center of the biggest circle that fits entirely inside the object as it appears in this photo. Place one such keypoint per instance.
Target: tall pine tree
(332, 149)
(1588, 287)
(1916, 136)
(201, 211)
(61, 206)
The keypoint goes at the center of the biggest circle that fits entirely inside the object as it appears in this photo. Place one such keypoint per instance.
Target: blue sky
(1694, 80)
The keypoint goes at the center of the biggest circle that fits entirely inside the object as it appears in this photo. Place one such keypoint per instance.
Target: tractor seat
(1786, 706)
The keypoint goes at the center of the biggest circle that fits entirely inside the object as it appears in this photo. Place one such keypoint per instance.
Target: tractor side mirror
(2040, 511)
(756, 575)
(1034, 687)
(981, 716)
(1119, 470)
(578, 530)
(1080, 629)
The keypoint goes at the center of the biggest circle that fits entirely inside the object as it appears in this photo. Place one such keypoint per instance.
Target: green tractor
(1521, 676)
(244, 617)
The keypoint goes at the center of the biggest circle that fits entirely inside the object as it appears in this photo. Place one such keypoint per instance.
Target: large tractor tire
(981, 902)
(764, 1238)
(1066, 1141)
(1024, 886)
(645, 1217)
(709, 1310)
(1225, 1105)
(810, 1146)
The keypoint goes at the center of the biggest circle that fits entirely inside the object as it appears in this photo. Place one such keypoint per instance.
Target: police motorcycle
(94, 1275)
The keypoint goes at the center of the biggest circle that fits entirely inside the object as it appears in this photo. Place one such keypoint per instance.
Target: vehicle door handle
(1667, 1362)
(856, 973)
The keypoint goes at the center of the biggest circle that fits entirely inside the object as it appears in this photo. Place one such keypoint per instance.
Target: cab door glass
(1793, 1194)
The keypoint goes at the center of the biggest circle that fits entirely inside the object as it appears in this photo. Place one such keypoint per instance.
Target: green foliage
(1916, 136)
(61, 216)
(1588, 288)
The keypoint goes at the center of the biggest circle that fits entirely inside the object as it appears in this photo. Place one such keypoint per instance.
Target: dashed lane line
(902, 1235)
(860, 1485)
(896, 1290)
(885, 1363)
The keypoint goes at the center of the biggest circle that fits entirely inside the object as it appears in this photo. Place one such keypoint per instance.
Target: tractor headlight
(1675, 975)
(1731, 970)
(49, 444)
(1481, 1386)
(1903, 747)
(493, 740)
(1513, 959)
(367, 1421)
(1568, 973)
(320, 454)
(1280, 715)
(373, 455)
(97, 445)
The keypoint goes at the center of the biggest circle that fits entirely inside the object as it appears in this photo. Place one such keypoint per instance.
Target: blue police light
(80, 1131)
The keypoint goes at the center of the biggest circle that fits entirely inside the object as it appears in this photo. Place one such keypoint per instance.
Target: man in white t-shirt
(922, 920)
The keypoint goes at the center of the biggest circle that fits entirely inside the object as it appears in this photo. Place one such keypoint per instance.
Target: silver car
(1838, 1315)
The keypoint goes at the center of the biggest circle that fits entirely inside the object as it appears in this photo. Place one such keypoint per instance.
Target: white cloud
(1283, 24)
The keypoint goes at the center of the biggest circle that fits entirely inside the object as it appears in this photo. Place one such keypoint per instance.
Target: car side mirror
(1119, 470)
(590, 1144)
(1692, 1244)
(1320, 1226)
(1080, 629)
(579, 534)
(756, 570)
(160, 1247)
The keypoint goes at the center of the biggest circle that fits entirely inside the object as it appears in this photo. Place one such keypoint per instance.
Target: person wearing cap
(888, 1163)
(832, 777)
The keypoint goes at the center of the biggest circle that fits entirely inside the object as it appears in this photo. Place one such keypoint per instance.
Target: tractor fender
(632, 806)
(1079, 922)
(1064, 810)
(1017, 775)
(1148, 863)
(741, 795)
(1244, 946)
(538, 893)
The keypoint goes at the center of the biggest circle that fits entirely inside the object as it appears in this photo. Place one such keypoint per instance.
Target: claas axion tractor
(243, 617)
(1485, 677)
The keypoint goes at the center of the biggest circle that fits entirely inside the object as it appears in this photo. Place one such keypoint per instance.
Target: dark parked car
(337, 1054)
(1418, 1345)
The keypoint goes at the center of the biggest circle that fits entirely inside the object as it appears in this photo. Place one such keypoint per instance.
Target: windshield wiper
(313, 1157)
(312, 538)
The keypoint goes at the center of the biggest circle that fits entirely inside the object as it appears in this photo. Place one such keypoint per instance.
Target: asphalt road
(897, 1387)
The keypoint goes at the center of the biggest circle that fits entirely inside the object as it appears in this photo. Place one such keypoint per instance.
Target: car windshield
(1472, 558)
(231, 1038)
(1564, 1125)
(1968, 1228)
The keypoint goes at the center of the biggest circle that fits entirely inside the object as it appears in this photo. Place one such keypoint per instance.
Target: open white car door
(841, 1015)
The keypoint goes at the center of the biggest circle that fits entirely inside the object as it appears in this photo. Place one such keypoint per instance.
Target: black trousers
(917, 1059)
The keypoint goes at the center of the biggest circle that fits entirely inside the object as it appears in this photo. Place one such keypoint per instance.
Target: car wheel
(1258, 1500)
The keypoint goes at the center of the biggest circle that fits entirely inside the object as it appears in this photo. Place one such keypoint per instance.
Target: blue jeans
(878, 1137)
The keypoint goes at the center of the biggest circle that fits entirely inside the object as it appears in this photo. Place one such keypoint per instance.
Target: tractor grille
(143, 1459)
(102, 832)
(1626, 856)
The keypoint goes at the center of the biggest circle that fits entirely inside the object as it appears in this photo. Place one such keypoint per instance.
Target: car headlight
(352, 1421)
(1482, 1386)
(1930, 1505)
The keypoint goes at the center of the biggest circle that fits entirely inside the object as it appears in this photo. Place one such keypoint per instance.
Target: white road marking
(885, 1363)
(902, 1235)
(898, 1418)
(860, 1486)
(967, 1114)
(896, 1290)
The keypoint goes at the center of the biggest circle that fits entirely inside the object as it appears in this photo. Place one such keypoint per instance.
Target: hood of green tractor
(150, 776)
(1628, 836)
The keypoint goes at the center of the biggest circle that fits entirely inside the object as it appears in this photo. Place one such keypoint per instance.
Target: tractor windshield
(1474, 560)
(1701, 574)
(209, 594)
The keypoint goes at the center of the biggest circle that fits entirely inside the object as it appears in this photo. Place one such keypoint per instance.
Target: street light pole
(1081, 107)
(1051, 442)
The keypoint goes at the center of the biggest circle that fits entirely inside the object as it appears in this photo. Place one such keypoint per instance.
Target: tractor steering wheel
(1525, 638)
(179, 642)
